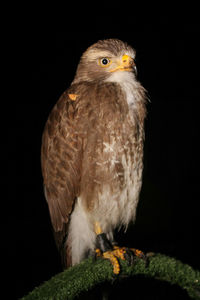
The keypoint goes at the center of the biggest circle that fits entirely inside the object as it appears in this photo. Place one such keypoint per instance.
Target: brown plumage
(92, 150)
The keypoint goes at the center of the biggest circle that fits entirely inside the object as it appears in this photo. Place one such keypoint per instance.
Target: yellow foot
(110, 255)
(122, 253)
(128, 254)
(106, 250)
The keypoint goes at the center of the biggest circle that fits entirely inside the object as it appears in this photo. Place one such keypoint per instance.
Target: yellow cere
(125, 58)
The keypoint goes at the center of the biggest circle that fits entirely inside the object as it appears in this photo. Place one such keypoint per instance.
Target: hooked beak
(125, 64)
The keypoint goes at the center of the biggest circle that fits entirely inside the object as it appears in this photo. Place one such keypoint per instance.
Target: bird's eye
(104, 62)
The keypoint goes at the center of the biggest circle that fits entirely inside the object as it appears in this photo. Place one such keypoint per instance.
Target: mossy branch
(89, 273)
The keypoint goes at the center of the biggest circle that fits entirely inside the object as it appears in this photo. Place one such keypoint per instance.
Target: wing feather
(61, 161)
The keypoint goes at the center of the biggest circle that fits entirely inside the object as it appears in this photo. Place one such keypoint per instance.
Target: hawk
(92, 152)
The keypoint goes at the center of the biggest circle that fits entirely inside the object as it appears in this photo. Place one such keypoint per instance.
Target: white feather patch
(81, 233)
(128, 84)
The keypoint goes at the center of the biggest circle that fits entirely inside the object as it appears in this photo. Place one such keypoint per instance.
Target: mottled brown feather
(61, 161)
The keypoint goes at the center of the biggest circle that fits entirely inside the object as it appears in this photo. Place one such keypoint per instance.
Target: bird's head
(105, 60)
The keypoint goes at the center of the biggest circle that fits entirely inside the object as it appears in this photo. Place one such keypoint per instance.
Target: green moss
(90, 272)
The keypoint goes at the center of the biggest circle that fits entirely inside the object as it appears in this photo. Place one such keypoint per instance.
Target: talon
(129, 256)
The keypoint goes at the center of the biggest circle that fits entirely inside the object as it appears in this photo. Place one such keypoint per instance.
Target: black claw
(129, 256)
(146, 259)
(141, 255)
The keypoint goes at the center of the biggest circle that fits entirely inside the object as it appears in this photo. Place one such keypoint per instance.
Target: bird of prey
(92, 153)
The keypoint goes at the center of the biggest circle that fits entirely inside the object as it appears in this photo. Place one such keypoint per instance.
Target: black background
(168, 212)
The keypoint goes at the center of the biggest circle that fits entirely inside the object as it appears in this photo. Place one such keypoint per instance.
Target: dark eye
(105, 61)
